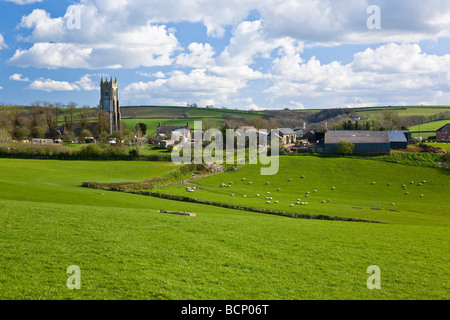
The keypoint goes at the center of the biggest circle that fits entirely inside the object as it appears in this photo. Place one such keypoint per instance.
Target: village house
(443, 133)
(286, 136)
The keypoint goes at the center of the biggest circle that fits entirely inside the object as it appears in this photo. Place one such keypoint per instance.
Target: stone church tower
(109, 101)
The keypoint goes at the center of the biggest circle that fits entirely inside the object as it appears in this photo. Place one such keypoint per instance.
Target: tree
(84, 116)
(36, 123)
(142, 127)
(345, 147)
(71, 114)
(18, 131)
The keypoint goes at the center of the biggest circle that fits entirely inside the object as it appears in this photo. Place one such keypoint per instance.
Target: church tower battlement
(109, 101)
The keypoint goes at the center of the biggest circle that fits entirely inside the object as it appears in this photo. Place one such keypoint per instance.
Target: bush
(345, 147)
(91, 151)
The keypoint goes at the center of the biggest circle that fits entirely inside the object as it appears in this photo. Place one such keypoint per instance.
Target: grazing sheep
(306, 195)
(232, 195)
(276, 202)
(334, 188)
(268, 202)
(290, 180)
(257, 194)
(306, 203)
(323, 202)
(424, 181)
(315, 191)
(328, 200)
(267, 183)
(420, 184)
(412, 182)
(421, 196)
(392, 204)
(297, 202)
(250, 183)
(291, 205)
(230, 183)
(302, 177)
(389, 184)
(245, 196)
(406, 193)
(268, 192)
(373, 183)
(243, 179)
(279, 189)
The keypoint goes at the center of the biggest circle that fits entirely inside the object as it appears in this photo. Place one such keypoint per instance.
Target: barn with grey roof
(364, 141)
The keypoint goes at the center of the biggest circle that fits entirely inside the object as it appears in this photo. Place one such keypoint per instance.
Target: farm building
(177, 133)
(287, 136)
(364, 141)
(398, 139)
(443, 133)
(42, 142)
(314, 137)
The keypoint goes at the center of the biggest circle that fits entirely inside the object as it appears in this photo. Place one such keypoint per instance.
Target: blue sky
(246, 54)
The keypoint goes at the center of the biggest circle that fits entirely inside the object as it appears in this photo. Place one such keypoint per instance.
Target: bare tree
(84, 116)
(36, 123)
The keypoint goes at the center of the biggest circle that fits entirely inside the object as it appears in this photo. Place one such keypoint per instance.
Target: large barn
(364, 141)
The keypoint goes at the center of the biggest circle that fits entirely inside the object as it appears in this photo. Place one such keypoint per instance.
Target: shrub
(345, 147)
(91, 151)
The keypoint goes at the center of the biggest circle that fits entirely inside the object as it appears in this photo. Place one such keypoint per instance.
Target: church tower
(109, 101)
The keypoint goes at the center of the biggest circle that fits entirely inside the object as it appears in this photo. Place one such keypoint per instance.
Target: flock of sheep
(269, 199)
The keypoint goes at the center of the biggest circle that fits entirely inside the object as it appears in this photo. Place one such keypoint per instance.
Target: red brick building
(443, 133)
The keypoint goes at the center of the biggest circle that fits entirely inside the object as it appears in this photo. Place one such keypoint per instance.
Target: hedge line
(227, 205)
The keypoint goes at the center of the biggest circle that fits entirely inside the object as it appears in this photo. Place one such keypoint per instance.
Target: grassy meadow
(126, 249)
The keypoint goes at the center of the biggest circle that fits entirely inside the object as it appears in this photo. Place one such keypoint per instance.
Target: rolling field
(127, 250)
(354, 195)
(372, 113)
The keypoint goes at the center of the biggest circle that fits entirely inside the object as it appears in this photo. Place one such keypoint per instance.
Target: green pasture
(126, 249)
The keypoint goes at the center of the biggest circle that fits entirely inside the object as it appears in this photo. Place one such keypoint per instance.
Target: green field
(430, 126)
(372, 113)
(126, 249)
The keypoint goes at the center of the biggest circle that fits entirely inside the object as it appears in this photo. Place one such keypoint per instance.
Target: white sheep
(290, 180)
(406, 193)
(291, 205)
(315, 191)
(232, 195)
(250, 183)
(303, 177)
(334, 188)
(243, 179)
(373, 183)
(267, 183)
(276, 202)
(297, 202)
(328, 200)
(389, 184)
(279, 189)
(392, 204)
(268, 202)
(257, 194)
(323, 201)
(421, 195)
(245, 196)
(268, 192)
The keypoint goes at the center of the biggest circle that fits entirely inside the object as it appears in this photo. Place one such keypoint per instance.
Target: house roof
(169, 129)
(441, 129)
(337, 136)
(286, 131)
(397, 136)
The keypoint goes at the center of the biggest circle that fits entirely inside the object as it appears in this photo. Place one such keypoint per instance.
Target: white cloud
(22, 2)
(18, 77)
(390, 72)
(102, 41)
(201, 55)
(86, 83)
(50, 85)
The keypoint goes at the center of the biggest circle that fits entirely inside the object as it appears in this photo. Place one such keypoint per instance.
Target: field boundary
(289, 214)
